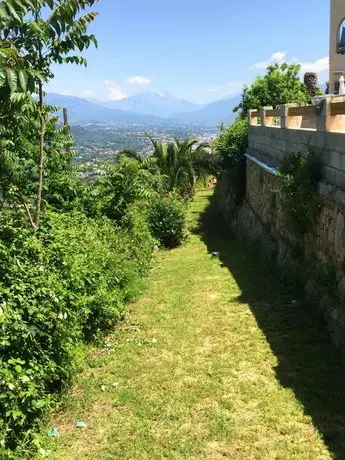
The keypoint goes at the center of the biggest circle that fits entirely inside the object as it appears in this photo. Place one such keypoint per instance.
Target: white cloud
(115, 93)
(320, 65)
(138, 80)
(87, 92)
(109, 82)
(214, 90)
(278, 57)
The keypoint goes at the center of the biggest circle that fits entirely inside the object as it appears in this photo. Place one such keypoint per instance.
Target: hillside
(159, 103)
(213, 113)
(160, 110)
(83, 111)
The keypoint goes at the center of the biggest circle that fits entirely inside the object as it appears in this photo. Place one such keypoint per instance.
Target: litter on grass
(80, 425)
(53, 432)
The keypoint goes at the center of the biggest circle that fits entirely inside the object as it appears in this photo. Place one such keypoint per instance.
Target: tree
(310, 81)
(182, 163)
(280, 85)
(120, 185)
(231, 145)
(34, 35)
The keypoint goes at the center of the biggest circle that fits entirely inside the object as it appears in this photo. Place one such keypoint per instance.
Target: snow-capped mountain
(146, 108)
(158, 103)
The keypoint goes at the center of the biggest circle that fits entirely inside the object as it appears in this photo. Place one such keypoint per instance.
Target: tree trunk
(27, 211)
(41, 159)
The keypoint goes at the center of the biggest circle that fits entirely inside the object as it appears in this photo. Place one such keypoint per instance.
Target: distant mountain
(131, 110)
(159, 103)
(84, 111)
(213, 113)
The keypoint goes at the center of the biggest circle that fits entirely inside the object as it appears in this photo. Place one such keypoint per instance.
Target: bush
(71, 285)
(299, 175)
(231, 145)
(121, 185)
(167, 218)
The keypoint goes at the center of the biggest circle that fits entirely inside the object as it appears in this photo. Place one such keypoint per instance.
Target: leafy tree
(231, 145)
(182, 163)
(121, 184)
(280, 85)
(34, 35)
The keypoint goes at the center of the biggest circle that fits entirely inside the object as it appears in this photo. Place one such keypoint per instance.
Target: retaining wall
(317, 258)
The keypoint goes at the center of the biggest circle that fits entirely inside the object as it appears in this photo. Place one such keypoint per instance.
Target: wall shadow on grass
(308, 363)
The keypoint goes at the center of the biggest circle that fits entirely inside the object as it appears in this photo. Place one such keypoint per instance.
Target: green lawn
(214, 361)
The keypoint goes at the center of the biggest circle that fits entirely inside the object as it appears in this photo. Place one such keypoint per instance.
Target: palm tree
(182, 163)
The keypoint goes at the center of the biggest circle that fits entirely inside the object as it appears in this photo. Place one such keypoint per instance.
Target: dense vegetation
(299, 175)
(72, 254)
(280, 85)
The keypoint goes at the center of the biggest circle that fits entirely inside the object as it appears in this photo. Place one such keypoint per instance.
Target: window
(341, 38)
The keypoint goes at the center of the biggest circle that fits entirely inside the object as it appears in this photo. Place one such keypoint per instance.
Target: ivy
(299, 175)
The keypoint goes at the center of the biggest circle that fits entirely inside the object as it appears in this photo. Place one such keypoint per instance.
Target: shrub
(299, 175)
(231, 145)
(71, 285)
(121, 185)
(167, 218)
(136, 225)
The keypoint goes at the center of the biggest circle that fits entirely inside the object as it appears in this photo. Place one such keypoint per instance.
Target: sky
(198, 50)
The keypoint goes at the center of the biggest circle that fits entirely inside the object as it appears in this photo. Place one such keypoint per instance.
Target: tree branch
(41, 159)
(27, 211)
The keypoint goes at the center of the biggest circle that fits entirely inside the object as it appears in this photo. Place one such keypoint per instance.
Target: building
(337, 45)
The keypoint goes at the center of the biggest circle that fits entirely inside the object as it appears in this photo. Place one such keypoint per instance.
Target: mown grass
(214, 361)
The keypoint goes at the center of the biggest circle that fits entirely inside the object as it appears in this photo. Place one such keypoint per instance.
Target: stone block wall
(320, 251)
(317, 258)
(273, 144)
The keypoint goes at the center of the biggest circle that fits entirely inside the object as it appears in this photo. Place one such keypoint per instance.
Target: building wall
(337, 62)
(273, 144)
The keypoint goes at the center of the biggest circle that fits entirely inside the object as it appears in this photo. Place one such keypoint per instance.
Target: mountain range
(146, 108)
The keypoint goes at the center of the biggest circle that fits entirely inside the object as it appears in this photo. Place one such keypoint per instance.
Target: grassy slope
(211, 363)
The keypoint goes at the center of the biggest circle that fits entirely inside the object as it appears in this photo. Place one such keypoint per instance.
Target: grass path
(213, 362)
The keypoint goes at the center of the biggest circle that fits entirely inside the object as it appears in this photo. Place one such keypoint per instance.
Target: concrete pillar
(326, 121)
(252, 120)
(266, 121)
(287, 122)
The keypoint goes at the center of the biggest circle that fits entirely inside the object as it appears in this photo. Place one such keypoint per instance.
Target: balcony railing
(326, 115)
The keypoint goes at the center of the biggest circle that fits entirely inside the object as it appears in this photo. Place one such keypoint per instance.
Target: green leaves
(280, 85)
(14, 9)
(22, 79)
(167, 218)
(58, 296)
(22, 60)
(183, 163)
(11, 79)
(299, 176)
(76, 60)
(231, 146)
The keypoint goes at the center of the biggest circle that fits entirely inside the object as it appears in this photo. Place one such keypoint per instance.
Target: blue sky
(200, 50)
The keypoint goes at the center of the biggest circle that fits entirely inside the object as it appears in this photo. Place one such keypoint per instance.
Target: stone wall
(317, 259)
(275, 143)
